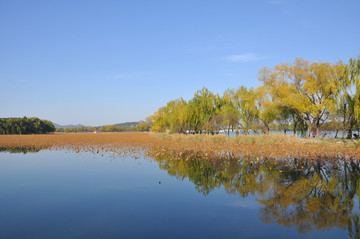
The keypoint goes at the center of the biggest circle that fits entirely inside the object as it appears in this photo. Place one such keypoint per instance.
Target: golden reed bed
(182, 146)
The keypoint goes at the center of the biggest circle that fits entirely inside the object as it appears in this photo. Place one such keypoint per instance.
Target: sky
(106, 62)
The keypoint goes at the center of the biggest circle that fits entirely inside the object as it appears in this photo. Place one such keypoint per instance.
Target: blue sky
(105, 62)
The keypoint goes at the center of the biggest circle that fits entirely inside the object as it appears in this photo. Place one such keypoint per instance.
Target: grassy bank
(274, 139)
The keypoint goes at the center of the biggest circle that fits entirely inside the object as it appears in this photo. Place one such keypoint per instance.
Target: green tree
(142, 126)
(268, 111)
(202, 107)
(349, 101)
(245, 102)
(25, 125)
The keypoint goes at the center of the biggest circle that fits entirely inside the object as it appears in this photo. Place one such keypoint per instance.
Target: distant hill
(69, 126)
(127, 124)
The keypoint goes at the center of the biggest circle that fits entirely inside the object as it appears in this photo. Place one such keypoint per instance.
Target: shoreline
(188, 146)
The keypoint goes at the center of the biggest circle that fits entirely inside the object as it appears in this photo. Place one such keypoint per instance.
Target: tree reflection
(23, 150)
(305, 194)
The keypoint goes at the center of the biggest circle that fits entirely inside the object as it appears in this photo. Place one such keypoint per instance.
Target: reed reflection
(23, 150)
(306, 194)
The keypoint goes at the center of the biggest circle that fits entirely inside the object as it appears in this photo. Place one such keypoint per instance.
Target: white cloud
(244, 57)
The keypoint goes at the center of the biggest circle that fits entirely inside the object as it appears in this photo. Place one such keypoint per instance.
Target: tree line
(140, 127)
(31, 125)
(298, 96)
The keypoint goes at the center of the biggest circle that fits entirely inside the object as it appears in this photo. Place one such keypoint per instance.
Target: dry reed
(184, 146)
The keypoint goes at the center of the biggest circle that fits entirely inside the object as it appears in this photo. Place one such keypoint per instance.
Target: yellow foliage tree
(309, 89)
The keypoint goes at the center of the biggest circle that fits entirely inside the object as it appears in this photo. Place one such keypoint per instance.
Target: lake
(61, 194)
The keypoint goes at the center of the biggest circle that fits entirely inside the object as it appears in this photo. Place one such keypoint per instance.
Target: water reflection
(307, 195)
(23, 150)
(297, 193)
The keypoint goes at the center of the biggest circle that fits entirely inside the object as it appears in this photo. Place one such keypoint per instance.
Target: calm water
(54, 194)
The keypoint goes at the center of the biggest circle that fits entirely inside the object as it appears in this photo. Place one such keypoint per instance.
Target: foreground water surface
(58, 194)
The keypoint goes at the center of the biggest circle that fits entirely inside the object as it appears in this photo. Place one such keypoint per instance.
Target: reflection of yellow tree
(305, 203)
(296, 193)
(319, 197)
(235, 177)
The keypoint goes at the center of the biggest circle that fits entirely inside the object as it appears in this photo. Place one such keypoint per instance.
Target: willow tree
(245, 102)
(350, 100)
(160, 120)
(177, 116)
(202, 107)
(309, 89)
(229, 112)
(267, 109)
(217, 119)
(173, 117)
(353, 72)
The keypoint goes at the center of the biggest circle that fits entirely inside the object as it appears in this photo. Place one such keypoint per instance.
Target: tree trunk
(344, 125)
(267, 128)
(343, 134)
(308, 131)
(317, 132)
(352, 123)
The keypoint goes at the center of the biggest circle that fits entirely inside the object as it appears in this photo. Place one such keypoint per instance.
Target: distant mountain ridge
(69, 126)
(125, 124)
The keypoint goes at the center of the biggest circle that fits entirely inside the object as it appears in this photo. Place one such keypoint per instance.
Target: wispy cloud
(244, 57)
